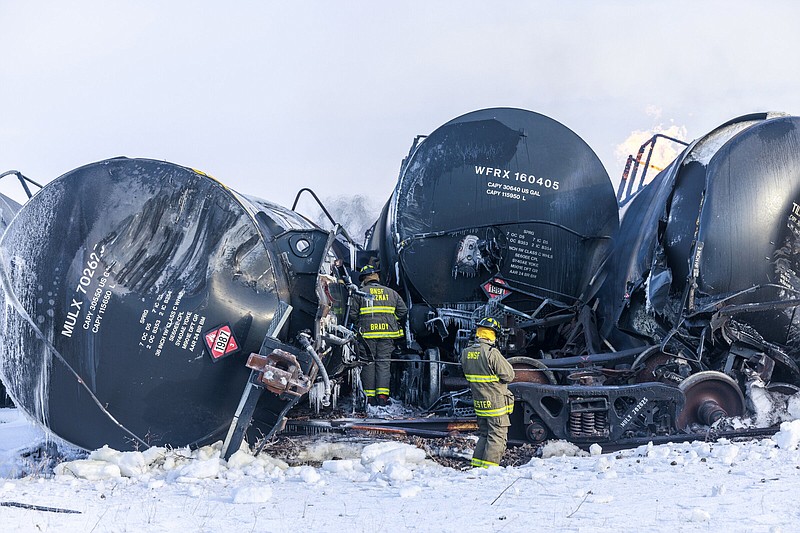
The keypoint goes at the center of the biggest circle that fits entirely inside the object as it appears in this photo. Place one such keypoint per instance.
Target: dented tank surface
(497, 193)
(135, 290)
(717, 228)
(701, 287)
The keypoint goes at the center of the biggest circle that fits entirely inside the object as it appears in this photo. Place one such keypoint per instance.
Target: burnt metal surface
(135, 260)
(501, 192)
(722, 219)
(428, 427)
(749, 227)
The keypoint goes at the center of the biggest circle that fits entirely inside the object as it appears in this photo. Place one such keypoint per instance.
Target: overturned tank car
(704, 272)
(148, 304)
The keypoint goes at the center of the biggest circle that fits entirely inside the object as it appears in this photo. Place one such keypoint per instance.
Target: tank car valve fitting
(279, 372)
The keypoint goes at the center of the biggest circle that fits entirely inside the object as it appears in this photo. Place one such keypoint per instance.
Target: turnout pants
(492, 437)
(375, 377)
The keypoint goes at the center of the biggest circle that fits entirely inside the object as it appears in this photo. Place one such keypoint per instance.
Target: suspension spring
(575, 424)
(587, 423)
(600, 422)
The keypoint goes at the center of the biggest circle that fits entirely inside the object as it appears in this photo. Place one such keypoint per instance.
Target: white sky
(273, 96)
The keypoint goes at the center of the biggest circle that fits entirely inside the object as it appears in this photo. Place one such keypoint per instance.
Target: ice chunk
(557, 448)
(309, 474)
(794, 406)
(398, 472)
(338, 465)
(154, 454)
(88, 469)
(208, 452)
(199, 470)
(789, 435)
(385, 453)
(130, 463)
(240, 459)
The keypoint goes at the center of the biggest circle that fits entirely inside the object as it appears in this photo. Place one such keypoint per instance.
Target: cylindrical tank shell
(722, 219)
(518, 180)
(749, 226)
(109, 301)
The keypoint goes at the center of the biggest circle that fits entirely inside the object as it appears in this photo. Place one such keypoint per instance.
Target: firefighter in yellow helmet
(488, 374)
(378, 314)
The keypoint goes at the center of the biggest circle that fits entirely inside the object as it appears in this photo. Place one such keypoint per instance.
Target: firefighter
(488, 374)
(378, 314)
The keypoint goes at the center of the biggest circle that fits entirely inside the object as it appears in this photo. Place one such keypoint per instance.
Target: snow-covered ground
(390, 486)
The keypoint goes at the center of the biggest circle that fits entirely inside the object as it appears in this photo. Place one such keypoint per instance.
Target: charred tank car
(704, 272)
(135, 293)
(500, 212)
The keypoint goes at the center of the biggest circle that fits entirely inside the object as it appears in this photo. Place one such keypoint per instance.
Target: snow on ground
(391, 486)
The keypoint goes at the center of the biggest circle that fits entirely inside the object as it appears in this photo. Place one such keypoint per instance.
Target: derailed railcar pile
(145, 303)
(654, 338)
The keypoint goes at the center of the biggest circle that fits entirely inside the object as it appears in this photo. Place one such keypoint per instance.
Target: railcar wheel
(710, 395)
(530, 370)
(536, 432)
(647, 362)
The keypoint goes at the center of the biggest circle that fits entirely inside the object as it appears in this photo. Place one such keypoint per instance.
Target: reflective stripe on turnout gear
(500, 411)
(480, 463)
(383, 334)
(383, 391)
(369, 392)
(481, 378)
(374, 309)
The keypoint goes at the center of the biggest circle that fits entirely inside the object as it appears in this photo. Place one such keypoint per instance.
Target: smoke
(356, 214)
(664, 150)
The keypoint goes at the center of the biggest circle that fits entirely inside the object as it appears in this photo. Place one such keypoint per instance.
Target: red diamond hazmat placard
(221, 342)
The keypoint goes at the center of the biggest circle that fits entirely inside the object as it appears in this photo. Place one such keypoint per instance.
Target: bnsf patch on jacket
(378, 294)
(473, 355)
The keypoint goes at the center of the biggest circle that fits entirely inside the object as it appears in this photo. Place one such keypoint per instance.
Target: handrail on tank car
(417, 140)
(448, 232)
(338, 228)
(635, 163)
(319, 202)
(24, 180)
